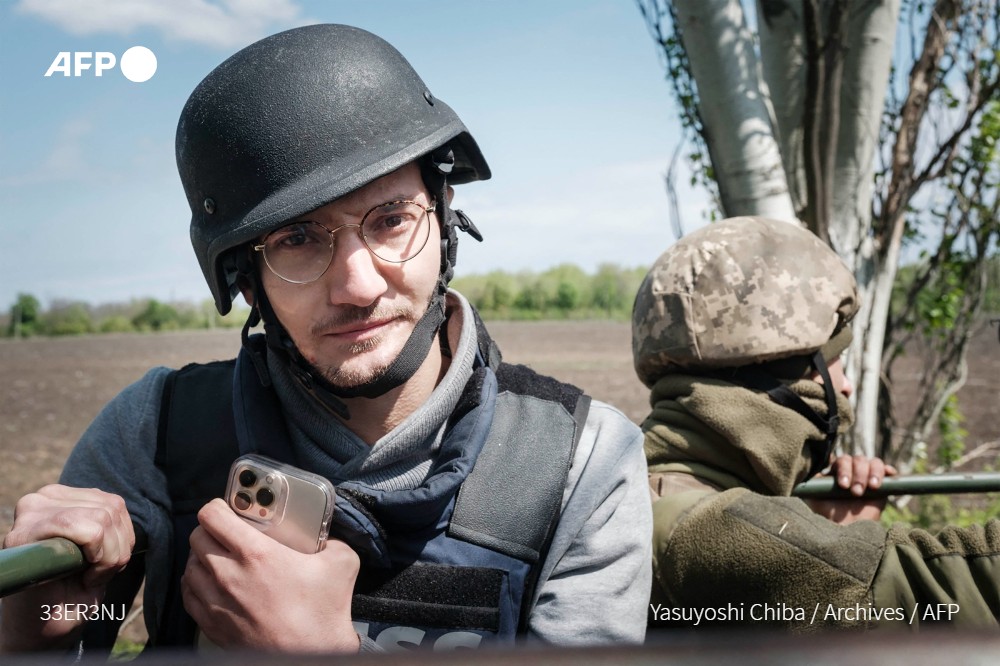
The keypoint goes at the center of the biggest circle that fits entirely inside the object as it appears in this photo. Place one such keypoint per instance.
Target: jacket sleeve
(743, 559)
(594, 583)
(116, 454)
(952, 577)
(770, 561)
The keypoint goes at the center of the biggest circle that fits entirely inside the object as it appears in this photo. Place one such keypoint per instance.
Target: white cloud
(222, 24)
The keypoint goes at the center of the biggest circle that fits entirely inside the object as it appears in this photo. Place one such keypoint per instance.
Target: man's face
(353, 321)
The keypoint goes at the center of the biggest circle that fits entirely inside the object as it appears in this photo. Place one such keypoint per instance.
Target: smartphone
(290, 505)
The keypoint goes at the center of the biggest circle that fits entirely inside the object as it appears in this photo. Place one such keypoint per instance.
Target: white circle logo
(138, 64)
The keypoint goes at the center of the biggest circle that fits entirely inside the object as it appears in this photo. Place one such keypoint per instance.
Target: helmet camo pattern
(742, 291)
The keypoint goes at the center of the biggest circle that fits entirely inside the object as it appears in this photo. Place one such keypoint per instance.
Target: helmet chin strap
(821, 454)
(434, 169)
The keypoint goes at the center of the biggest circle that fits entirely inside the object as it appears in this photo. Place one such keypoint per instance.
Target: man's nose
(354, 275)
(847, 388)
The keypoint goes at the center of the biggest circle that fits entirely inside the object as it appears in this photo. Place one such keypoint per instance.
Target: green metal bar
(915, 484)
(40, 562)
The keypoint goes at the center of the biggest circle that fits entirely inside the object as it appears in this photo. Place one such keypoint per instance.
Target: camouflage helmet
(742, 291)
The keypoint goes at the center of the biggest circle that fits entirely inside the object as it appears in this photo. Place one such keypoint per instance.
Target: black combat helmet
(296, 120)
(293, 122)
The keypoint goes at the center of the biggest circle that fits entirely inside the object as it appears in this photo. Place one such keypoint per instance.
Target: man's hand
(246, 590)
(857, 474)
(96, 521)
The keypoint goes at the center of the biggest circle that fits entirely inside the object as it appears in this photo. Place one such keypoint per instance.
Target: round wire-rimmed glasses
(301, 252)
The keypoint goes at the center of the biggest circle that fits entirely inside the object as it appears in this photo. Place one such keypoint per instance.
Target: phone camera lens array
(244, 498)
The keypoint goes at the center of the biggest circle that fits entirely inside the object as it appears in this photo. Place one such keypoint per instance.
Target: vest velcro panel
(431, 595)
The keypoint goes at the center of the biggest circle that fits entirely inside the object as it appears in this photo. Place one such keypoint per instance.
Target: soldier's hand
(96, 521)
(246, 590)
(856, 474)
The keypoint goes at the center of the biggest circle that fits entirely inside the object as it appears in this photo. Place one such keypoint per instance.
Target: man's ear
(451, 194)
(245, 289)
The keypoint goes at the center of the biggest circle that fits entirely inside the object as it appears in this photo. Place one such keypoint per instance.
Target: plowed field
(53, 388)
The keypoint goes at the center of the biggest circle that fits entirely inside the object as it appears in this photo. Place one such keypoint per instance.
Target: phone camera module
(242, 500)
(247, 478)
(265, 497)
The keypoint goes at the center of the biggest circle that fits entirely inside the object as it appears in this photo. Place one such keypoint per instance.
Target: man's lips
(361, 329)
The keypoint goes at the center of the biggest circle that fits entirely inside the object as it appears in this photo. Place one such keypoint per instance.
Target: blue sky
(566, 98)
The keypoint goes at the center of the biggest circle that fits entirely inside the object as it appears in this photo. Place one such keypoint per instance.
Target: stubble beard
(351, 377)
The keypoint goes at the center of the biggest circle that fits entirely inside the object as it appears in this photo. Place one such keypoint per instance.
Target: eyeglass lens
(302, 251)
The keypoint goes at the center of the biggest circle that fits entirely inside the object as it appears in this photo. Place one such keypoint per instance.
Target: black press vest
(453, 565)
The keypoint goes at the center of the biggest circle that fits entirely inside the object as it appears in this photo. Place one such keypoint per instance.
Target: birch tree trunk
(871, 37)
(888, 237)
(783, 67)
(871, 31)
(737, 124)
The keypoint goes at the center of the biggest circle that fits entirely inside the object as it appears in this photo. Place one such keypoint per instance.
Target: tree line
(563, 292)
(27, 318)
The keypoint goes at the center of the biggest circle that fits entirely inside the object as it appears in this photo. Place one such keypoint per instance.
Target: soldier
(738, 329)
(476, 500)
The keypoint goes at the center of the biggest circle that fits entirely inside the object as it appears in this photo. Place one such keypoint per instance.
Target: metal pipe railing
(47, 560)
(914, 484)
(39, 562)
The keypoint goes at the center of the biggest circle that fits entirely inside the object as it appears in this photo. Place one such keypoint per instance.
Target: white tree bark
(871, 37)
(871, 32)
(732, 107)
(783, 66)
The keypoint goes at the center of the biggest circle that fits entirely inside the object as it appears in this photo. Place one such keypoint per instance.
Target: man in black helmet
(476, 500)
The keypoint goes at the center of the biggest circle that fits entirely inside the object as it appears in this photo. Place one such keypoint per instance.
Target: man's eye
(390, 224)
(294, 240)
(295, 237)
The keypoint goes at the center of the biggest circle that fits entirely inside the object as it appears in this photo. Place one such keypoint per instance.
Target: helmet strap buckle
(467, 225)
(443, 160)
(821, 456)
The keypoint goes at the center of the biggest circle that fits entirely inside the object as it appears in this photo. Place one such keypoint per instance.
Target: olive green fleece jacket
(732, 549)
